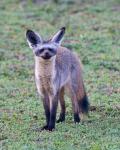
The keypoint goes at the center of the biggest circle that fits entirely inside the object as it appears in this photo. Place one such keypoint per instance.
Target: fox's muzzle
(46, 55)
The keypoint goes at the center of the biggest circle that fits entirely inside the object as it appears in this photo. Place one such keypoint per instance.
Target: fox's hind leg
(62, 105)
(75, 105)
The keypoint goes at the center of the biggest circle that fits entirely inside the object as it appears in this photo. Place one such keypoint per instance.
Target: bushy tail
(84, 104)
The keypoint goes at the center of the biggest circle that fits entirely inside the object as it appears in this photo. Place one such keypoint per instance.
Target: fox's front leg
(62, 105)
(46, 105)
(53, 111)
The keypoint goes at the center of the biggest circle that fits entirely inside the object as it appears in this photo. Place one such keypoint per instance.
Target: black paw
(51, 128)
(44, 127)
(76, 118)
(61, 118)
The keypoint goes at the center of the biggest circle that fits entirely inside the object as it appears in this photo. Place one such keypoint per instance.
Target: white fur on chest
(44, 75)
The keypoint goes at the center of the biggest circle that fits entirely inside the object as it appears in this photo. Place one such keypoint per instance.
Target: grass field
(93, 31)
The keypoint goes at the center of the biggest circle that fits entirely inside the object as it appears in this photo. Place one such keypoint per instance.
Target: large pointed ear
(57, 38)
(33, 38)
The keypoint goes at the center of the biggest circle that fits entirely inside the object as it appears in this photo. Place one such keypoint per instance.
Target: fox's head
(44, 49)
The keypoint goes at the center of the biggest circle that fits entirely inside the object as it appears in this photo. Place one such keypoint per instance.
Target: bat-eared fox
(57, 71)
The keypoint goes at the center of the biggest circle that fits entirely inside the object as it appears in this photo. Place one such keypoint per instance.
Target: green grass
(93, 31)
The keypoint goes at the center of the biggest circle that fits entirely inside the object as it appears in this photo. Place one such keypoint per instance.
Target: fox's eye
(41, 50)
(50, 49)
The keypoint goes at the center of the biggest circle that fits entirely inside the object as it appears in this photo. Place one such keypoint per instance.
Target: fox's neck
(44, 68)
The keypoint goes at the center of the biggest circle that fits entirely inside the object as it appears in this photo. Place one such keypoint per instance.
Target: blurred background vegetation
(93, 32)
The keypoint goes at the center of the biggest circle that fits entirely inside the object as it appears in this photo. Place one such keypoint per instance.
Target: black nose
(47, 54)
